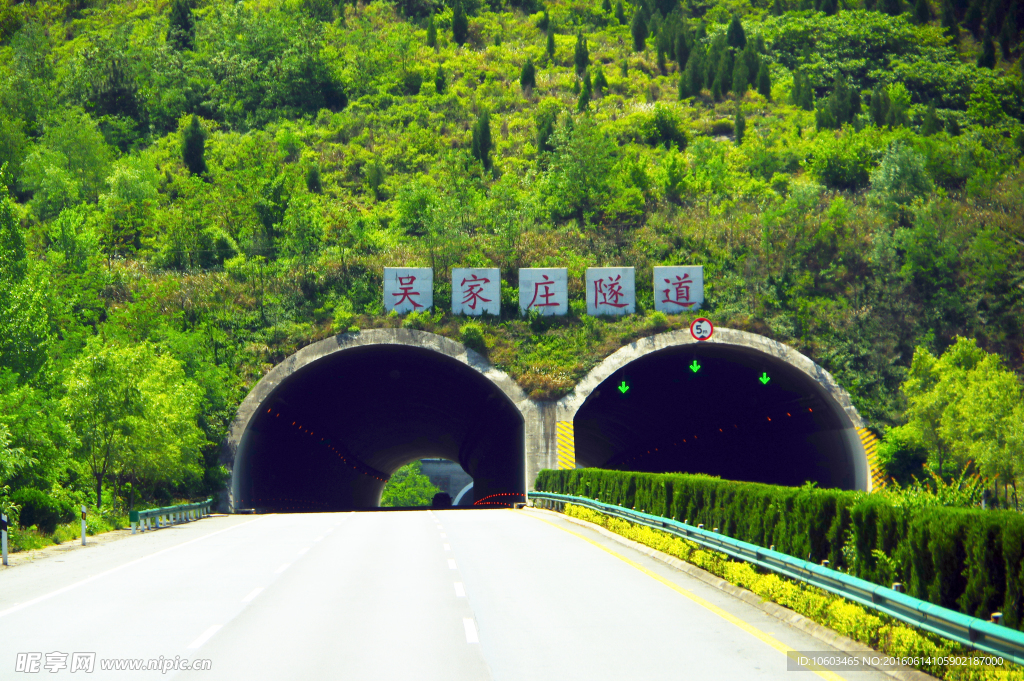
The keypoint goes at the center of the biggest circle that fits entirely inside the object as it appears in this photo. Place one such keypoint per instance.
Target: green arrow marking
(694, 367)
(623, 387)
(764, 378)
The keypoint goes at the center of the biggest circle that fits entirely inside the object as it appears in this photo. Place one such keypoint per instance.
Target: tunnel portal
(719, 409)
(331, 432)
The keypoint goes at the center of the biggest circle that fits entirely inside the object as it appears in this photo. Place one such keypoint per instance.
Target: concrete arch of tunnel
(539, 440)
(323, 362)
(836, 440)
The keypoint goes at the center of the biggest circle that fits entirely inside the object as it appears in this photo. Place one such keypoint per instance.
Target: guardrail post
(3, 536)
(83, 526)
(133, 519)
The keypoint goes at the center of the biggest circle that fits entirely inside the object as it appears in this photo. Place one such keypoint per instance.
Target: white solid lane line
(16, 607)
(301, 552)
(471, 636)
(460, 591)
(206, 636)
(282, 568)
(451, 564)
(253, 594)
(319, 538)
(447, 547)
(443, 535)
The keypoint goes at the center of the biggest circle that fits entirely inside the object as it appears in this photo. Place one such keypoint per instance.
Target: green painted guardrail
(968, 631)
(153, 518)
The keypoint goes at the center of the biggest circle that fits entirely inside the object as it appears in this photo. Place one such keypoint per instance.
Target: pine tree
(481, 145)
(313, 182)
(740, 78)
(1008, 34)
(620, 13)
(716, 90)
(931, 123)
(606, 5)
(639, 31)
(735, 36)
(600, 82)
(440, 82)
(544, 22)
(581, 55)
(725, 67)
(740, 126)
(583, 103)
(662, 64)
(869, 5)
(829, 7)
(684, 84)
(181, 29)
(949, 23)
(764, 82)
(974, 18)
(682, 51)
(879, 108)
(193, 147)
(545, 128)
(431, 32)
(777, 8)
(528, 76)
(892, 7)
(922, 12)
(987, 58)
(460, 23)
(551, 42)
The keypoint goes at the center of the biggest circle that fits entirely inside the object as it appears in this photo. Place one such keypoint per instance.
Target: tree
(682, 49)
(600, 82)
(481, 145)
(585, 93)
(931, 123)
(735, 35)
(606, 6)
(620, 13)
(662, 65)
(974, 18)
(408, 487)
(764, 81)
(580, 167)
(1008, 35)
(740, 125)
(638, 29)
(922, 12)
(879, 108)
(431, 32)
(892, 7)
(181, 29)
(963, 406)
(460, 23)
(528, 76)
(740, 79)
(193, 147)
(581, 55)
(724, 75)
(551, 42)
(949, 22)
(440, 82)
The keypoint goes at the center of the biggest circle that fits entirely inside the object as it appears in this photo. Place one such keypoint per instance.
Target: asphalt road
(445, 595)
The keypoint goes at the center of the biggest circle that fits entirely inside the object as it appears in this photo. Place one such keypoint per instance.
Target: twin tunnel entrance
(326, 428)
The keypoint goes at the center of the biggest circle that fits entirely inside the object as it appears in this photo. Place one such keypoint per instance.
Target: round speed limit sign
(702, 329)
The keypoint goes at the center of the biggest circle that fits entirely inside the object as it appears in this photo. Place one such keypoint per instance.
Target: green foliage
(581, 54)
(431, 32)
(948, 551)
(639, 31)
(460, 23)
(740, 125)
(181, 26)
(481, 147)
(408, 487)
(987, 58)
(528, 76)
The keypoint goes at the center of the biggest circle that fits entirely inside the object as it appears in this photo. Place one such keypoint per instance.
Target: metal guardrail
(968, 631)
(154, 518)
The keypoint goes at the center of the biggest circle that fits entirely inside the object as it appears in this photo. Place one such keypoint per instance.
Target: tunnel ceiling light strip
(369, 470)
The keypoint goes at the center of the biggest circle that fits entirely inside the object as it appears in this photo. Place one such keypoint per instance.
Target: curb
(794, 619)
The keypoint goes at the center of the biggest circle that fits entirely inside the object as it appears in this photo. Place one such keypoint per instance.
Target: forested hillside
(194, 190)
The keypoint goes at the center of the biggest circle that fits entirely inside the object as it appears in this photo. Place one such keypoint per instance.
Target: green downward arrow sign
(764, 378)
(623, 388)
(694, 367)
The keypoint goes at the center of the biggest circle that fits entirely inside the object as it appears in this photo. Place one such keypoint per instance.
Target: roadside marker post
(133, 518)
(83, 526)
(3, 536)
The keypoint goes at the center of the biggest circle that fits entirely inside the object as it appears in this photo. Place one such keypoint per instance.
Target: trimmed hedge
(970, 560)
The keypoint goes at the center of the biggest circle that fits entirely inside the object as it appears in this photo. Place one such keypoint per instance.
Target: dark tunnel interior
(724, 419)
(330, 435)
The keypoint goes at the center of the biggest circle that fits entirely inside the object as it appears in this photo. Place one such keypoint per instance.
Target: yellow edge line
(728, 617)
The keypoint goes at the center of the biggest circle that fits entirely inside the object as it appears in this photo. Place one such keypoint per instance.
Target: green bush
(38, 509)
(965, 559)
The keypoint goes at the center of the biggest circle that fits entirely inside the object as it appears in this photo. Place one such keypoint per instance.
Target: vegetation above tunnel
(221, 183)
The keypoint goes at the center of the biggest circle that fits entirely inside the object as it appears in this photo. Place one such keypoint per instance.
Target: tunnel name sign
(544, 290)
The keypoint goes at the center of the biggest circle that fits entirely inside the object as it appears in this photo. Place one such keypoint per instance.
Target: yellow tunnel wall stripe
(870, 443)
(566, 448)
